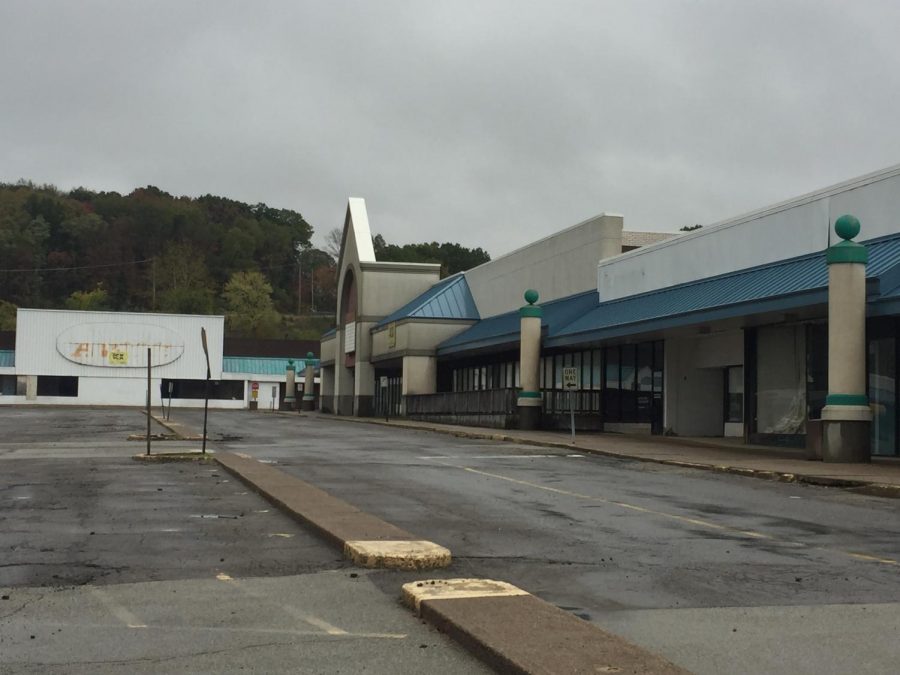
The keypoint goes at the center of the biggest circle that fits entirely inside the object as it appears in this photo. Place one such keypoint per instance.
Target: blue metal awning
(504, 328)
(447, 299)
(781, 286)
(788, 284)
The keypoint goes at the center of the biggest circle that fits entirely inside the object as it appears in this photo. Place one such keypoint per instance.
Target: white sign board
(384, 382)
(350, 338)
(570, 378)
(119, 345)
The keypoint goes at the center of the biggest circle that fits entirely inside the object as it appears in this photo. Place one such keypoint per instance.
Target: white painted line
(224, 629)
(287, 609)
(117, 610)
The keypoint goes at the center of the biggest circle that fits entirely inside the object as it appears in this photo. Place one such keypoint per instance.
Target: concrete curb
(182, 433)
(164, 457)
(516, 632)
(858, 486)
(366, 540)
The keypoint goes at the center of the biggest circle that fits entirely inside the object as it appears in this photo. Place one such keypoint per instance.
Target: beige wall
(327, 349)
(694, 381)
(386, 287)
(416, 335)
(558, 266)
(419, 375)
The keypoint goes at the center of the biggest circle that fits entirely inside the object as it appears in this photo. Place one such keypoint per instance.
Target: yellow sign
(118, 358)
(392, 336)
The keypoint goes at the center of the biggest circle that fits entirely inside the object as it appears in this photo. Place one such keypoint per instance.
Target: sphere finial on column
(847, 227)
(531, 296)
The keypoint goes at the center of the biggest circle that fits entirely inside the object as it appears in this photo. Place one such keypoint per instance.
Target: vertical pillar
(419, 377)
(529, 399)
(309, 383)
(289, 387)
(846, 417)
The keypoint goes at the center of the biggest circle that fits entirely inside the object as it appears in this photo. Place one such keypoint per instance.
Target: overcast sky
(490, 123)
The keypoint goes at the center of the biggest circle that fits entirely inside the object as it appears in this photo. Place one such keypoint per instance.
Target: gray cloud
(488, 123)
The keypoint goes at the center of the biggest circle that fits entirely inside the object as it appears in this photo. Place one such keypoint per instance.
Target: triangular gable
(357, 237)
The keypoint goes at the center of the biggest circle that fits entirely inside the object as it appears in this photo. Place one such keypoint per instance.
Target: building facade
(64, 357)
(722, 331)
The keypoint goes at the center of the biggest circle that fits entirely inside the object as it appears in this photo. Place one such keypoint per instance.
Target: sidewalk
(880, 478)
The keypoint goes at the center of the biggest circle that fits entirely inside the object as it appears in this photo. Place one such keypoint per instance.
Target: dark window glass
(629, 372)
(220, 390)
(658, 365)
(612, 400)
(53, 385)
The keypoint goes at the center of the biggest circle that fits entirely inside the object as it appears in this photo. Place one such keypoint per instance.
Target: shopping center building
(65, 357)
(722, 331)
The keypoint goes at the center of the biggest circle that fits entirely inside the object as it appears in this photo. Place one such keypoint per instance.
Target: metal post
(206, 392)
(205, 411)
(572, 413)
(148, 400)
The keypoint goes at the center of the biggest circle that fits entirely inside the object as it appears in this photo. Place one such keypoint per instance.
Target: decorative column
(529, 400)
(846, 417)
(309, 383)
(289, 387)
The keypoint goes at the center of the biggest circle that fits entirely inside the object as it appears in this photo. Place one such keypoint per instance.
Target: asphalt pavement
(108, 565)
(715, 572)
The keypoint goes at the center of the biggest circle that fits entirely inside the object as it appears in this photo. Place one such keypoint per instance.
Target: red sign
(254, 386)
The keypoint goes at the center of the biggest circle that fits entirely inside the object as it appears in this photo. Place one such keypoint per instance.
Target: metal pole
(148, 400)
(206, 392)
(205, 410)
(572, 413)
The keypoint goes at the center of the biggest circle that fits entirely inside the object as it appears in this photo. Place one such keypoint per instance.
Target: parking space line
(116, 609)
(750, 534)
(180, 628)
(287, 609)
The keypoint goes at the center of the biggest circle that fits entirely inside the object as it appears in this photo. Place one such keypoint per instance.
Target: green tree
(182, 281)
(453, 258)
(95, 299)
(7, 315)
(249, 311)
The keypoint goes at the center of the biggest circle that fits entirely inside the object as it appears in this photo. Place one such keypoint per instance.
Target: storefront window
(883, 395)
(781, 380)
(734, 394)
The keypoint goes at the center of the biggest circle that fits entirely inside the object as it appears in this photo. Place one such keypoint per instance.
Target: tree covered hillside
(148, 251)
(151, 251)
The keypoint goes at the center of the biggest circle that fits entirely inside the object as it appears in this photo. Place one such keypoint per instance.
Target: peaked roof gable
(447, 299)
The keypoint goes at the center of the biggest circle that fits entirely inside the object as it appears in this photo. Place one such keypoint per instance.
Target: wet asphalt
(618, 542)
(108, 565)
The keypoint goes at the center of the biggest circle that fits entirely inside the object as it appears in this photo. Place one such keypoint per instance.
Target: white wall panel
(85, 344)
(785, 230)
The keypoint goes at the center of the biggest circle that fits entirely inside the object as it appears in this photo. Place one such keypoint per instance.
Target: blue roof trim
(7, 358)
(260, 365)
(778, 286)
(504, 328)
(331, 332)
(447, 299)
